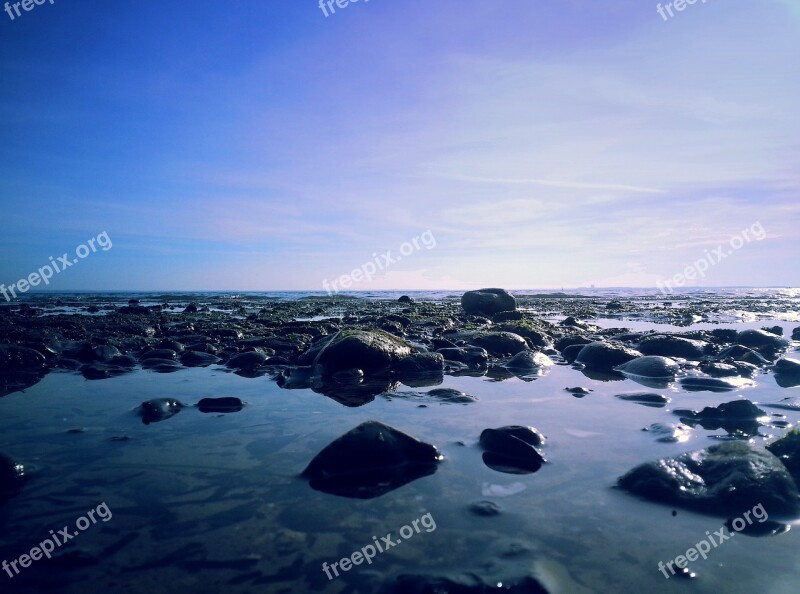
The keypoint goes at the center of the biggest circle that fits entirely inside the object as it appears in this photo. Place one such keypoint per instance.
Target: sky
(262, 145)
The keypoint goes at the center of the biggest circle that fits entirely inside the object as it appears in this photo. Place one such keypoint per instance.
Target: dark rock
(571, 352)
(713, 384)
(100, 371)
(16, 358)
(776, 330)
(159, 409)
(512, 449)
(485, 509)
(670, 433)
(247, 361)
(579, 392)
(646, 399)
(227, 404)
(11, 478)
(717, 369)
(373, 351)
(796, 333)
(488, 301)
(507, 316)
(738, 352)
(451, 396)
(369, 461)
(167, 354)
(529, 362)
(469, 355)
(760, 340)
(405, 299)
(604, 355)
(650, 366)
(731, 477)
(787, 449)
(198, 359)
(673, 346)
(420, 363)
(499, 343)
(191, 308)
(788, 366)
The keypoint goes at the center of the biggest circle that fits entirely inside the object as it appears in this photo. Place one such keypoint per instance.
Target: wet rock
(499, 343)
(507, 316)
(227, 404)
(731, 477)
(485, 509)
(11, 478)
(788, 366)
(191, 308)
(159, 409)
(101, 371)
(796, 333)
(198, 359)
(172, 345)
(571, 352)
(512, 449)
(713, 384)
(529, 362)
(761, 340)
(605, 355)
(527, 330)
(165, 354)
(469, 355)
(373, 351)
(465, 584)
(451, 396)
(105, 353)
(369, 461)
(673, 346)
(734, 411)
(650, 366)
(569, 341)
(579, 392)
(420, 363)
(646, 398)
(670, 433)
(487, 301)
(16, 358)
(161, 365)
(717, 369)
(787, 449)
(247, 361)
(744, 354)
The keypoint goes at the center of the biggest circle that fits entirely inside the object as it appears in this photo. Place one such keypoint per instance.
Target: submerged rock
(451, 396)
(605, 356)
(370, 350)
(159, 409)
(669, 433)
(646, 398)
(369, 461)
(512, 449)
(11, 478)
(488, 301)
(713, 384)
(227, 404)
(728, 478)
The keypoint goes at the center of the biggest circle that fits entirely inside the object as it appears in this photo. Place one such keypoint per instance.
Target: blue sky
(262, 146)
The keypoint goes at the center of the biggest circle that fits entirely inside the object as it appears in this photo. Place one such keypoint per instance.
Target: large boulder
(371, 460)
(488, 301)
(369, 350)
(761, 340)
(16, 358)
(728, 478)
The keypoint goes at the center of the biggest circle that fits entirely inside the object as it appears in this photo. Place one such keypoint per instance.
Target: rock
(796, 333)
(787, 449)
(527, 330)
(741, 353)
(485, 509)
(673, 346)
(529, 362)
(787, 366)
(712, 384)
(776, 330)
(507, 316)
(473, 356)
(405, 299)
(228, 404)
(650, 366)
(499, 343)
(191, 308)
(451, 396)
(512, 449)
(198, 359)
(11, 478)
(762, 341)
(420, 363)
(646, 399)
(167, 354)
(369, 461)
(604, 355)
(571, 352)
(159, 409)
(247, 361)
(487, 301)
(717, 369)
(734, 410)
(100, 371)
(728, 478)
(372, 351)
(579, 392)
(16, 358)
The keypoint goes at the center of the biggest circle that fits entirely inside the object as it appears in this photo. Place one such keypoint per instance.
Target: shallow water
(211, 502)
